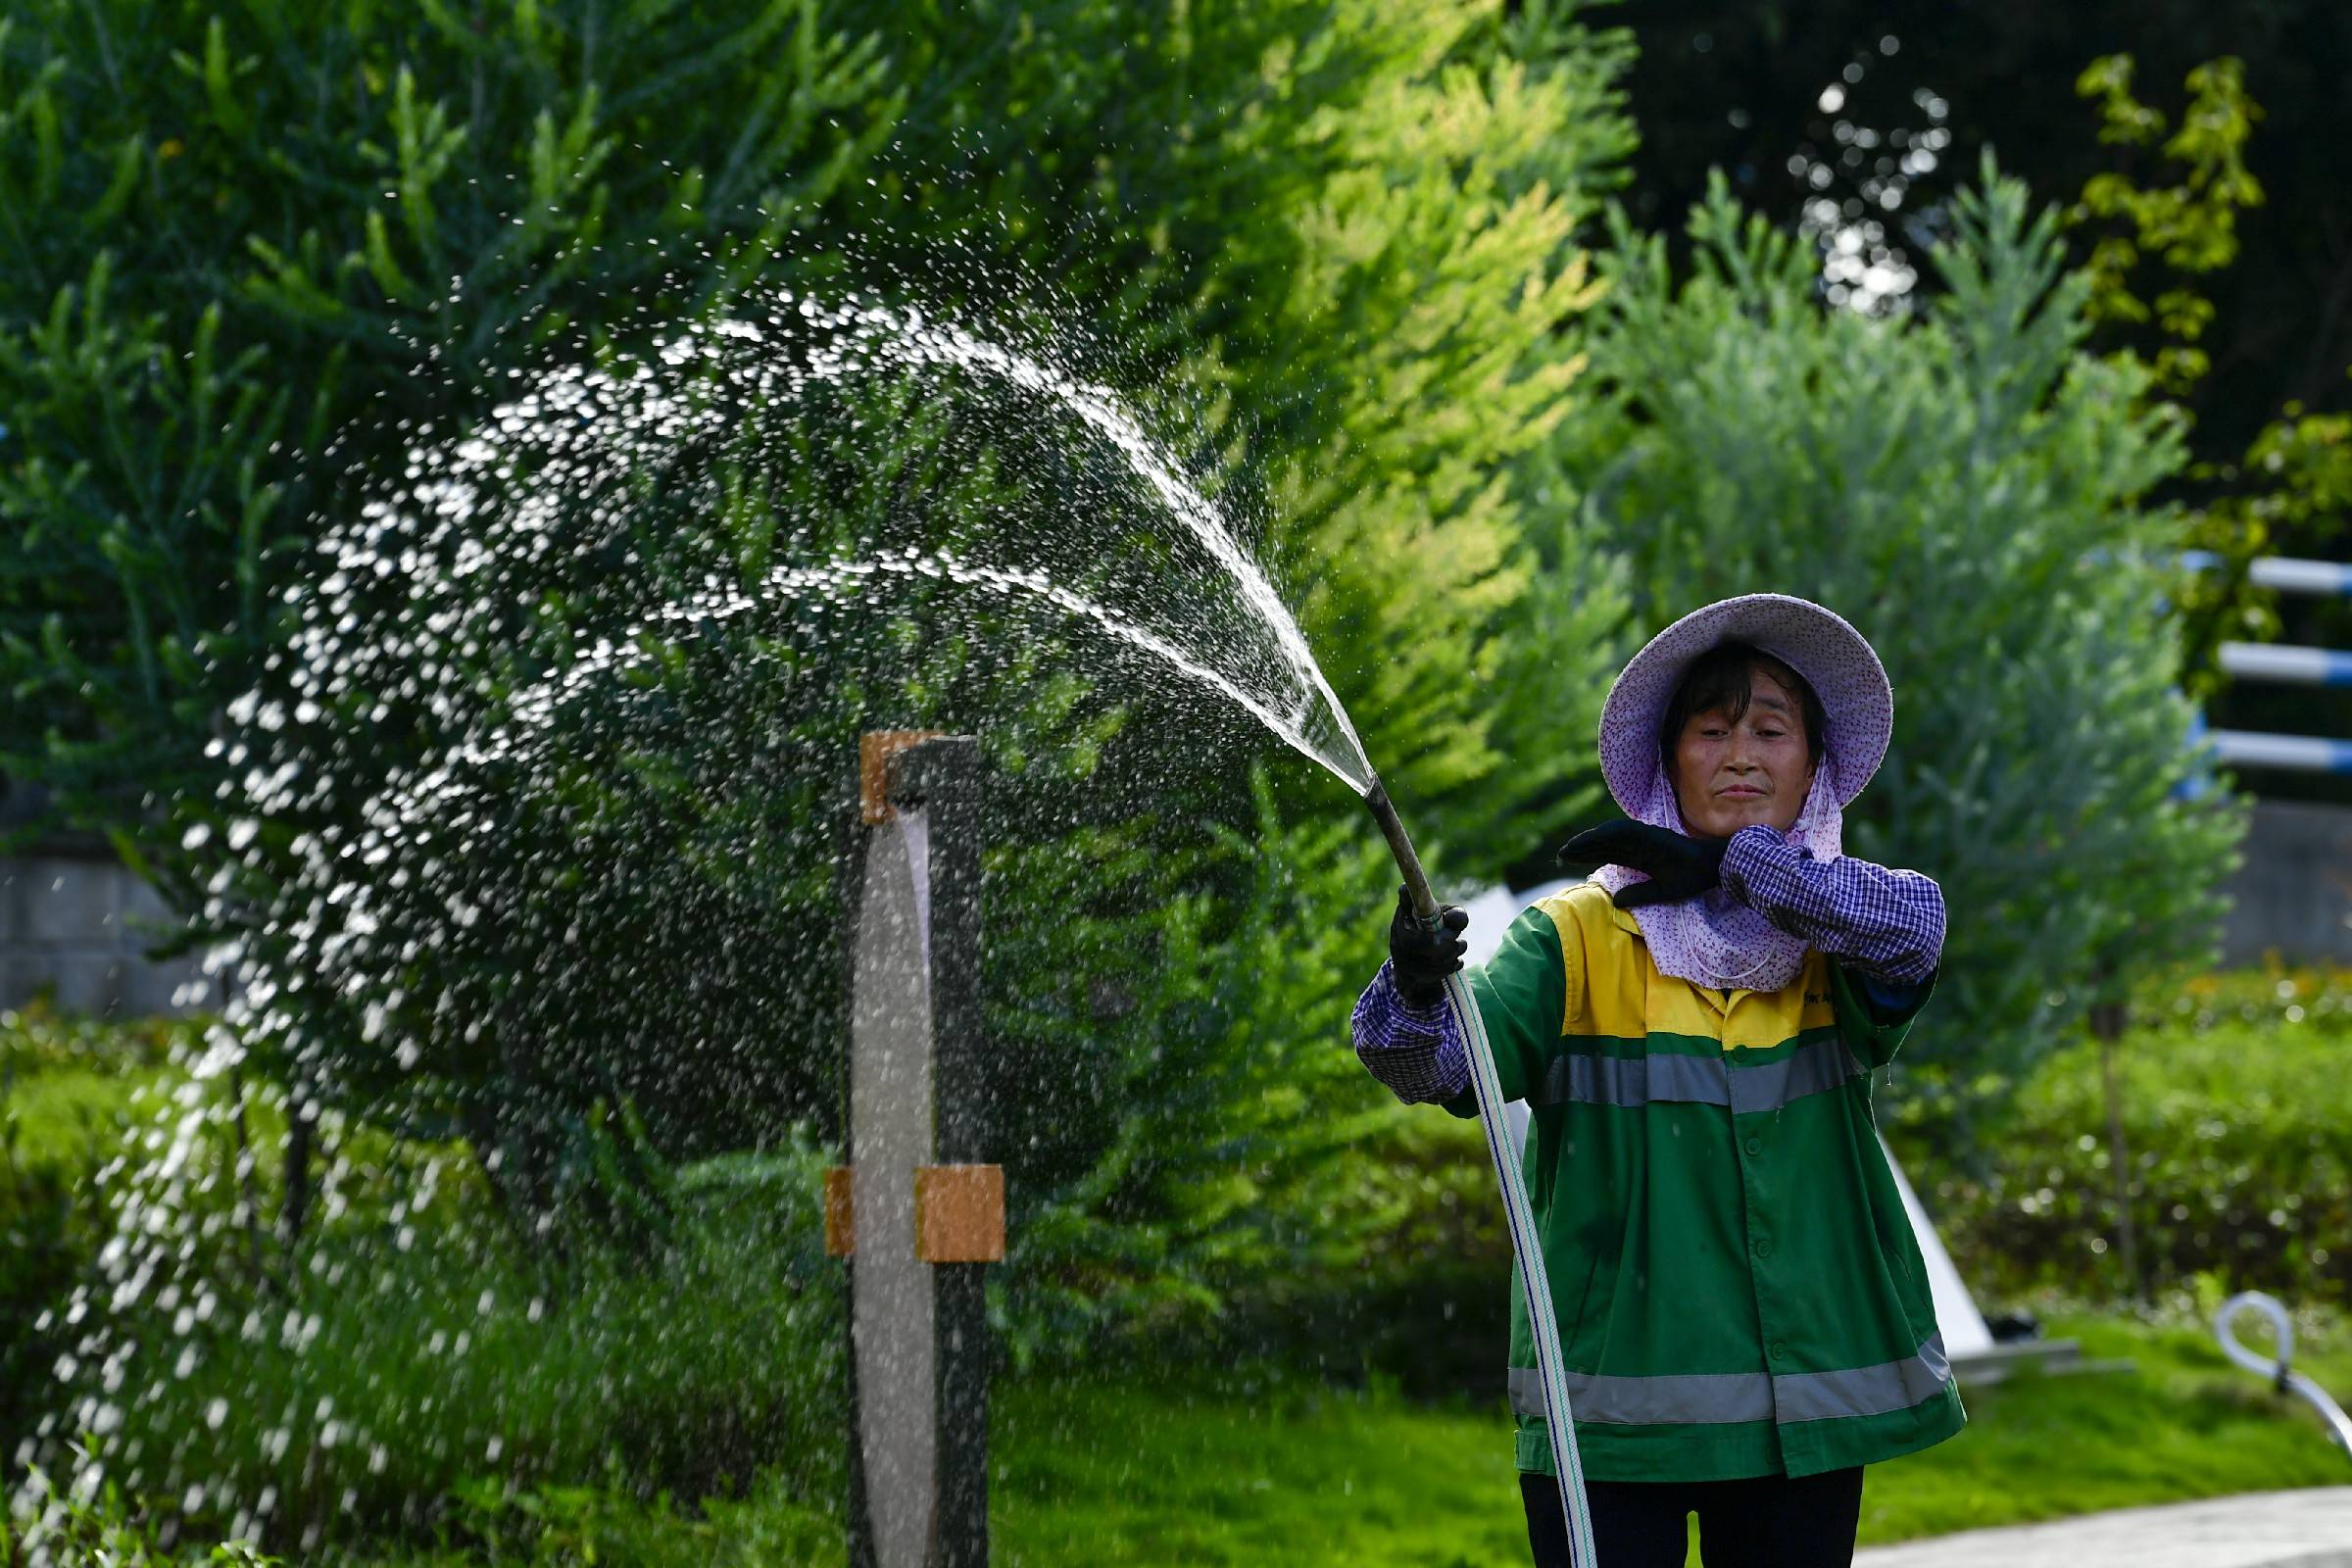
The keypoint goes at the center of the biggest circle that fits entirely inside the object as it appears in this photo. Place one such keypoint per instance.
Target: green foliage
(37, 1040)
(2187, 228)
(1433, 244)
(2304, 460)
(772, 1525)
(408, 1343)
(454, 1358)
(66, 1086)
(1970, 491)
(47, 1245)
(2239, 1162)
(1243, 1168)
(2292, 487)
(219, 289)
(94, 1526)
(60, 1133)
(2190, 226)
(561, 1524)
(1423, 1311)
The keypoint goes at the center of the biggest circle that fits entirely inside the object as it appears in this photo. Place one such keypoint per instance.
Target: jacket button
(1755, 1145)
(1763, 1248)
(1780, 1351)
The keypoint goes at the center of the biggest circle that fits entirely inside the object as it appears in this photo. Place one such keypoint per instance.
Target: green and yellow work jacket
(1737, 1287)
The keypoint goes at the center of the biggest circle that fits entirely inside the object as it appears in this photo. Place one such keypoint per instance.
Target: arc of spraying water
(533, 709)
(904, 337)
(858, 336)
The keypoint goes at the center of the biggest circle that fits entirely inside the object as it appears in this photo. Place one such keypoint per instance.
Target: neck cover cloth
(1712, 940)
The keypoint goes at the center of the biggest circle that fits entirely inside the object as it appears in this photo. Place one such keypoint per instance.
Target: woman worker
(1743, 1312)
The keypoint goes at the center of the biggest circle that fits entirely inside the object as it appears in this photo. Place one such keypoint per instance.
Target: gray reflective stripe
(1862, 1389)
(1714, 1399)
(1809, 1069)
(1633, 1081)
(1695, 1398)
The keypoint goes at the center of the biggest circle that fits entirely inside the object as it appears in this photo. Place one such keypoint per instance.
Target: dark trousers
(1769, 1522)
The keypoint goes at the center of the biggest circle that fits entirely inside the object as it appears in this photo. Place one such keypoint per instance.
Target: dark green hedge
(2236, 1137)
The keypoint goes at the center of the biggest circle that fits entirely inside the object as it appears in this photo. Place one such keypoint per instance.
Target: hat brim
(1835, 660)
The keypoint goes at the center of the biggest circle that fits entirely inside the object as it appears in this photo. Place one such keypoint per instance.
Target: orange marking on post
(875, 748)
(840, 1239)
(959, 1214)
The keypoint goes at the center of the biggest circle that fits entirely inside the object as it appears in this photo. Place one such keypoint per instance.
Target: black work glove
(1678, 867)
(1421, 956)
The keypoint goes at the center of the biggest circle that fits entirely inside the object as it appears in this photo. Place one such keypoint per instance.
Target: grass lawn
(1094, 1473)
(1121, 1474)
(1207, 1469)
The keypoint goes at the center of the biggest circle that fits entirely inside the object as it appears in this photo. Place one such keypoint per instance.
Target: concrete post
(915, 1211)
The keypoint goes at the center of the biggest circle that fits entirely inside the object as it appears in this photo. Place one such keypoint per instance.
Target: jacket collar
(1713, 999)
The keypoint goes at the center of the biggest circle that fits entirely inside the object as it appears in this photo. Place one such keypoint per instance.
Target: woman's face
(1729, 773)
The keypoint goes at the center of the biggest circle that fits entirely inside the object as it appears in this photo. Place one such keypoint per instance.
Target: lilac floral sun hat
(1712, 940)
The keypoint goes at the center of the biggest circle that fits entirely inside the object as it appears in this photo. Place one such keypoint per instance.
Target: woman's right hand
(1422, 955)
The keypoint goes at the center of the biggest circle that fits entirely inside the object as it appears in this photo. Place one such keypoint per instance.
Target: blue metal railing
(2301, 754)
(2295, 667)
(2283, 665)
(2287, 573)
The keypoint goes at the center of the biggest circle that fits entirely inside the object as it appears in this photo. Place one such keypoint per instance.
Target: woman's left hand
(1678, 867)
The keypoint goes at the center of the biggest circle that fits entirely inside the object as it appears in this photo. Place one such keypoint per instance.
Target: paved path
(2309, 1528)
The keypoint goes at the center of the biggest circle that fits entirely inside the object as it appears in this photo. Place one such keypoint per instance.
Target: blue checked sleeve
(1414, 1050)
(1884, 925)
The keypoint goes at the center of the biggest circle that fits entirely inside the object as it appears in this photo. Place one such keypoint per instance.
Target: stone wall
(76, 926)
(2293, 895)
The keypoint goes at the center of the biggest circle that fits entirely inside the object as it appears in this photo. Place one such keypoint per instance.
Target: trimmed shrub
(2239, 1155)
